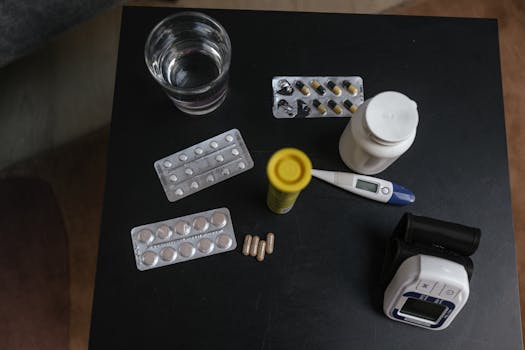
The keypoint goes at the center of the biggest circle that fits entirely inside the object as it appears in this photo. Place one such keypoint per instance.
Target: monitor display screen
(367, 186)
(422, 309)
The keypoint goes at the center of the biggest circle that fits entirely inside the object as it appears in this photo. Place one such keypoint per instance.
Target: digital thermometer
(427, 291)
(367, 186)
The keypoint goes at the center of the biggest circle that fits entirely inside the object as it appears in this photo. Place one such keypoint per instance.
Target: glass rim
(200, 88)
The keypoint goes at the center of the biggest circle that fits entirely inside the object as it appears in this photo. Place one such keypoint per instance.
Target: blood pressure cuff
(422, 235)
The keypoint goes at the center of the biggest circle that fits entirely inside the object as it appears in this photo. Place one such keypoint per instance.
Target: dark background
(320, 287)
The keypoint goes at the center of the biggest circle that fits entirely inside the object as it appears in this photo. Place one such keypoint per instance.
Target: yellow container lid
(289, 170)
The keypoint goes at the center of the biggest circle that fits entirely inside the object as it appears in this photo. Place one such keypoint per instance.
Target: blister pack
(203, 165)
(184, 238)
(316, 96)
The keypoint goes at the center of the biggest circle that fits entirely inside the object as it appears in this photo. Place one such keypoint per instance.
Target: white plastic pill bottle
(380, 131)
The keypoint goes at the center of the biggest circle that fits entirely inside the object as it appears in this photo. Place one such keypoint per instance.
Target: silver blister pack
(182, 239)
(203, 165)
(316, 97)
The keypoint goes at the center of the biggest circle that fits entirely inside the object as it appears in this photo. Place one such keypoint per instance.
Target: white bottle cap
(391, 116)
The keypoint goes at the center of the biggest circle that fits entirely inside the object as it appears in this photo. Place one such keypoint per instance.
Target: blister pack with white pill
(316, 96)
(203, 165)
(182, 239)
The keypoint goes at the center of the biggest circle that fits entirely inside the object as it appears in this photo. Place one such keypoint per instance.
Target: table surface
(320, 287)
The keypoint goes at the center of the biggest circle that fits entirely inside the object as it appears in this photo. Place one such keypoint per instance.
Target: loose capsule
(351, 88)
(319, 106)
(335, 107)
(270, 241)
(350, 106)
(334, 88)
(318, 87)
(253, 245)
(261, 249)
(303, 88)
(246, 245)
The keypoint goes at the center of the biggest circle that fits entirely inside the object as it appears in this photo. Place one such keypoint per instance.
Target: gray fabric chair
(26, 25)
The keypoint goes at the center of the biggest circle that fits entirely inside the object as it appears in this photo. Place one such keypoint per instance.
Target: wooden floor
(77, 171)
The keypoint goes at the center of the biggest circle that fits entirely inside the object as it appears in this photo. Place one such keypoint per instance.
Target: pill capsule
(186, 249)
(247, 244)
(334, 88)
(270, 241)
(164, 232)
(303, 88)
(350, 106)
(145, 236)
(335, 107)
(168, 254)
(200, 223)
(261, 250)
(351, 88)
(318, 87)
(205, 245)
(319, 106)
(253, 245)
(218, 220)
(149, 258)
(182, 228)
(224, 241)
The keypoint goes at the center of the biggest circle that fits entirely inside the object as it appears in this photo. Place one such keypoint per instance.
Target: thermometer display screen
(367, 186)
(422, 309)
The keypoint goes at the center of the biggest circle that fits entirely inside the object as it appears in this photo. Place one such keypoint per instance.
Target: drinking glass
(189, 55)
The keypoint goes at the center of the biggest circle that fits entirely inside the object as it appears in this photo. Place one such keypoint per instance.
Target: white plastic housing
(380, 131)
(431, 279)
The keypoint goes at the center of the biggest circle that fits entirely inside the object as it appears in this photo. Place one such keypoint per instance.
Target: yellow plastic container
(289, 171)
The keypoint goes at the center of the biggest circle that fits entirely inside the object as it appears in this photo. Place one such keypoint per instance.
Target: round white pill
(173, 178)
(229, 138)
(149, 258)
(167, 164)
(194, 185)
(224, 241)
(242, 165)
(214, 144)
(179, 192)
(186, 249)
(182, 227)
(219, 158)
(218, 219)
(225, 171)
(188, 171)
(235, 152)
(183, 157)
(205, 245)
(168, 254)
(210, 178)
(199, 150)
(145, 236)
(164, 232)
(200, 223)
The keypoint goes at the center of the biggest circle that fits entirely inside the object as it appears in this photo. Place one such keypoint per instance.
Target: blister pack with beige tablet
(182, 239)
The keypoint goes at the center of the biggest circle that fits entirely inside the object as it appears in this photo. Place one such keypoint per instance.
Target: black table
(319, 290)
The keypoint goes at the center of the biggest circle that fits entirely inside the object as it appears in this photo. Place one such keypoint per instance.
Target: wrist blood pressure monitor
(427, 271)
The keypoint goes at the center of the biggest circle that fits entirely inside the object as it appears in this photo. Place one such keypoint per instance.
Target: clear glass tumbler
(189, 55)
